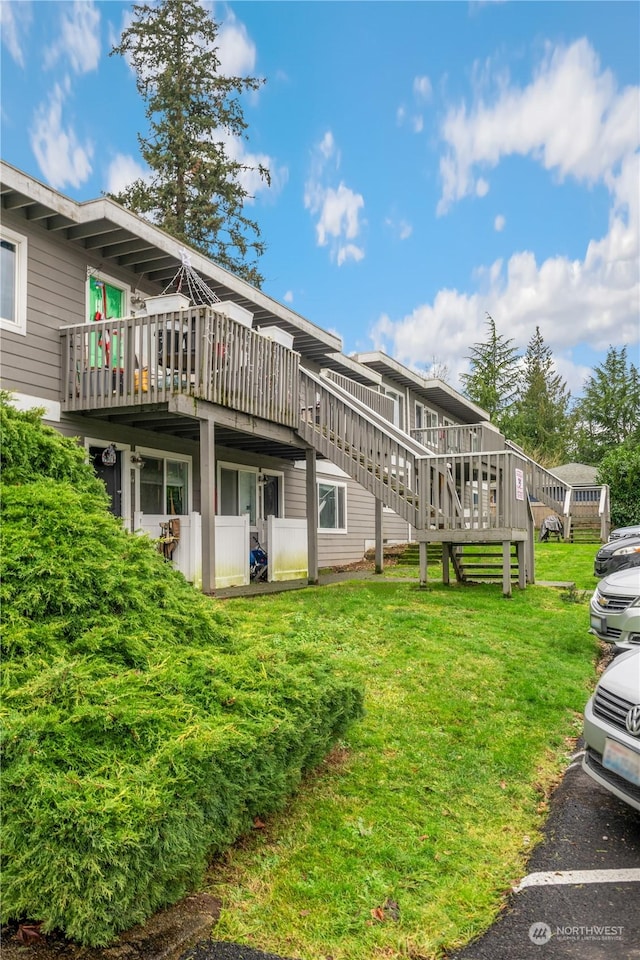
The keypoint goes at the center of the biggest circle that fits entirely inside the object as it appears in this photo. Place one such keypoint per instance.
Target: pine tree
(541, 417)
(195, 191)
(492, 382)
(608, 413)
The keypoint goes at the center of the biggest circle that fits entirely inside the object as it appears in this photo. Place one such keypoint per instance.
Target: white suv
(615, 608)
(612, 729)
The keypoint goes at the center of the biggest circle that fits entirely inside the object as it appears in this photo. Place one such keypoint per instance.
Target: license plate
(621, 760)
(599, 623)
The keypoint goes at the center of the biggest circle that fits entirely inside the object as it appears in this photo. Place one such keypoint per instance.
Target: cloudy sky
(431, 162)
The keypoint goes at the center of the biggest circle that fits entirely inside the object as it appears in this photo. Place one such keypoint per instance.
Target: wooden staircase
(473, 497)
(484, 564)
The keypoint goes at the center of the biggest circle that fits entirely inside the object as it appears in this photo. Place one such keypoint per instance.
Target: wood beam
(312, 517)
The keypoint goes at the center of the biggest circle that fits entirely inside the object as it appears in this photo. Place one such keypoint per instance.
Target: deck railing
(378, 402)
(459, 438)
(199, 352)
(485, 491)
(458, 492)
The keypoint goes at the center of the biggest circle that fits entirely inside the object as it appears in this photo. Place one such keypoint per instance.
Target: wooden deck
(195, 352)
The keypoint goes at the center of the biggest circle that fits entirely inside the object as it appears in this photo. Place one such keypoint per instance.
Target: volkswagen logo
(632, 721)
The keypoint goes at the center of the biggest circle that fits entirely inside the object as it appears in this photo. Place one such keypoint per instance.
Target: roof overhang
(432, 391)
(115, 237)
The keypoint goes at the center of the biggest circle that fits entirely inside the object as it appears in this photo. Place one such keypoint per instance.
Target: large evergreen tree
(492, 381)
(608, 413)
(195, 191)
(541, 414)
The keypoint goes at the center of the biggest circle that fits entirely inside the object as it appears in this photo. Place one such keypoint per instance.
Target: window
(164, 486)
(332, 503)
(107, 301)
(397, 398)
(13, 281)
(425, 418)
(237, 492)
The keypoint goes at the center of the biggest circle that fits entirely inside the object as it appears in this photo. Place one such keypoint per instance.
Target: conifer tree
(195, 190)
(540, 423)
(492, 382)
(608, 413)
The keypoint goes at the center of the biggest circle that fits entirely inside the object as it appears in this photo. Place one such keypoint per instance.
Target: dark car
(617, 555)
(633, 531)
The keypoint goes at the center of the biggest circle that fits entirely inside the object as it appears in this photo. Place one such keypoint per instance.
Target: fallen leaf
(29, 932)
(258, 824)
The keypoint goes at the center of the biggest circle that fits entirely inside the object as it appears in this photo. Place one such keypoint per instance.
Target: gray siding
(56, 295)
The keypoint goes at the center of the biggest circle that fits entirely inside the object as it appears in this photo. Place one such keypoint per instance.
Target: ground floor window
(332, 506)
(164, 486)
(237, 492)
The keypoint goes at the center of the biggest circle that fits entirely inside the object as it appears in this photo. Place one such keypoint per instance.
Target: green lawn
(406, 839)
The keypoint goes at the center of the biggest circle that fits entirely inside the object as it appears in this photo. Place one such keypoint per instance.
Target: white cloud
(288, 297)
(422, 88)
(598, 296)
(62, 159)
(571, 118)
(15, 19)
(349, 251)
(123, 170)
(249, 178)
(337, 209)
(79, 39)
(339, 214)
(236, 50)
(401, 229)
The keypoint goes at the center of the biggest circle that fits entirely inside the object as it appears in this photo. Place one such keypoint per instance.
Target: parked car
(617, 555)
(615, 608)
(612, 729)
(633, 531)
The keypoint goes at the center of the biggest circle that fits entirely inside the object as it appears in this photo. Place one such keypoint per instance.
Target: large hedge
(140, 735)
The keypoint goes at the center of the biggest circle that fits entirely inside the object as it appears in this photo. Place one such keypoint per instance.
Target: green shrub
(140, 736)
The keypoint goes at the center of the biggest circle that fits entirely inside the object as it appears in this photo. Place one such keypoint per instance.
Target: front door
(107, 462)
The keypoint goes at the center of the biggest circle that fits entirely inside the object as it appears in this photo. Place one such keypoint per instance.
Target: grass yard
(405, 841)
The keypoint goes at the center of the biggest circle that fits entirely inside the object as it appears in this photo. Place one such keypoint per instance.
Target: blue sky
(431, 162)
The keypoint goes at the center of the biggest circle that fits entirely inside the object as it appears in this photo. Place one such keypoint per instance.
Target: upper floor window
(425, 418)
(332, 507)
(13, 281)
(106, 299)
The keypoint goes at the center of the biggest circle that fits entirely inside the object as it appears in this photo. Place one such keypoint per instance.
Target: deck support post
(422, 550)
(312, 517)
(446, 558)
(207, 503)
(522, 565)
(506, 567)
(379, 507)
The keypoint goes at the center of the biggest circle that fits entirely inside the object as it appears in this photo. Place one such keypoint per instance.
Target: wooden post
(422, 548)
(446, 557)
(312, 517)
(522, 563)
(207, 503)
(379, 536)
(506, 568)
